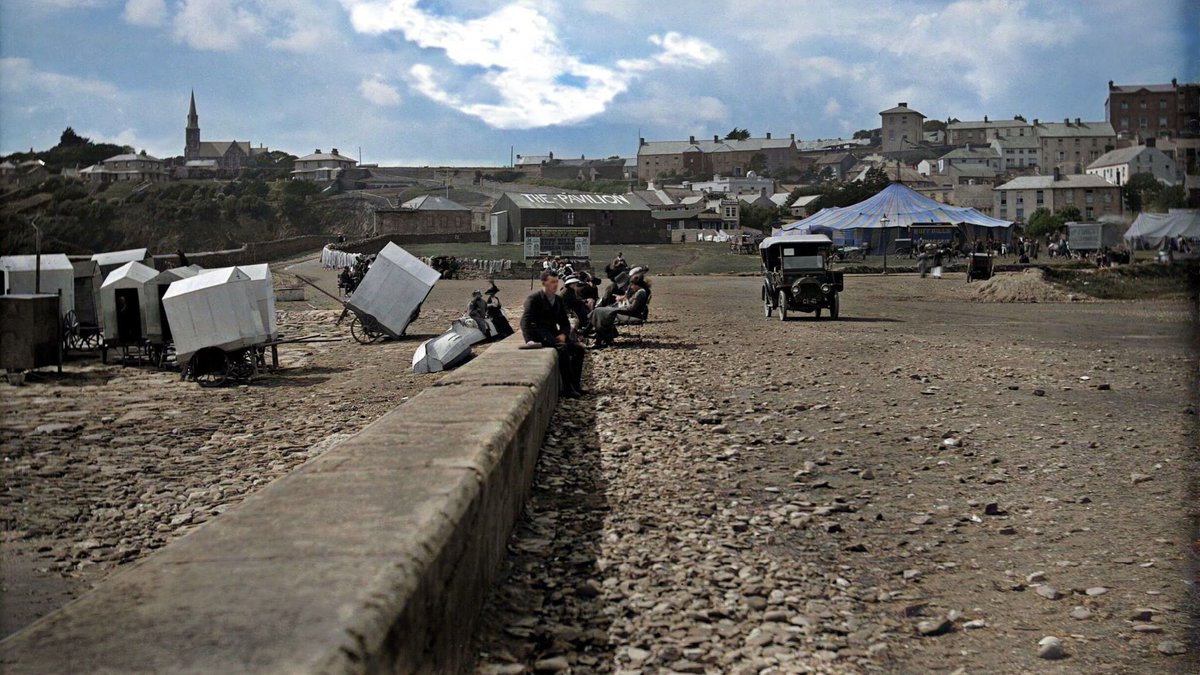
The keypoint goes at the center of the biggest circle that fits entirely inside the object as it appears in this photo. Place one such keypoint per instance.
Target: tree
(862, 133)
(1042, 222)
(70, 139)
(737, 134)
(758, 163)
(1140, 190)
(876, 179)
(933, 125)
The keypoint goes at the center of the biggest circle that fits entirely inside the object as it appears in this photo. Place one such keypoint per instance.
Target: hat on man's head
(638, 270)
(572, 280)
(476, 292)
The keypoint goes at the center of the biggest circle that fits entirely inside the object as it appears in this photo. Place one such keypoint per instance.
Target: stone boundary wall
(376, 244)
(374, 557)
(251, 253)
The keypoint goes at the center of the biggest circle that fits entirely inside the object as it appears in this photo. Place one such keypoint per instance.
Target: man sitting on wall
(544, 323)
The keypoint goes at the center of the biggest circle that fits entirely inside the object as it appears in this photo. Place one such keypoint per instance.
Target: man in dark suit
(544, 322)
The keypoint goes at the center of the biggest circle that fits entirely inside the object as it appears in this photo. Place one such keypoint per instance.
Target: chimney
(1057, 174)
(317, 151)
(768, 135)
(1151, 141)
(903, 104)
(1035, 121)
(692, 140)
(641, 142)
(793, 136)
(334, 152)
(1078, 123)
(1110, 84)
(581, 157)
(1067, 121)
(716, 139)
(985, 119)
(1174, 82)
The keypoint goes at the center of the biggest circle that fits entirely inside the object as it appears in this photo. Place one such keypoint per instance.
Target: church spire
(193, 118)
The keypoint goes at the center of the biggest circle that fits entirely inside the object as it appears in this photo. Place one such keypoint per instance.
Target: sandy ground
(931, 484)
(103, 464)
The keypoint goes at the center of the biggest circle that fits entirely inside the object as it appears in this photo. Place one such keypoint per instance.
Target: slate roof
(1124, 156)
(708, 146)
(433, 203)
(987, 124)
(1081, 130)
(972, 153)
(900, 109)
(1016, 142)
(1134, 88)
(1048, 182)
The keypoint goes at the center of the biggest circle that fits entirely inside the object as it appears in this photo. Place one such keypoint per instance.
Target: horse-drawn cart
(980, 266)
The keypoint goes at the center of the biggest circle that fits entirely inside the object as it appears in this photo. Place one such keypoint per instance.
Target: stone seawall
(374, 557)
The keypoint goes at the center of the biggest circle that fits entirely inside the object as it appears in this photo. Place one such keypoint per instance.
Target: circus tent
(892, 214)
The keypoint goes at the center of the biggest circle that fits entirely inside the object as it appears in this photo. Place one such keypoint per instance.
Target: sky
(473, 82)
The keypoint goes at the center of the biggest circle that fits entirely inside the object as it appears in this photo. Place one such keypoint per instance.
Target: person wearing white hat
(478, 311)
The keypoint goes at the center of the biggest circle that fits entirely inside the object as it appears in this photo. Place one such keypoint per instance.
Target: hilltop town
(1139, 153)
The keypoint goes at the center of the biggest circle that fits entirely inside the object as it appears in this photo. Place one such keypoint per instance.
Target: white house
(321, 166)
(1118, 165)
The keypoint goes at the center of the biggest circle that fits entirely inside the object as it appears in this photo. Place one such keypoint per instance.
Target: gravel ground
(932, 484)
(103, 464)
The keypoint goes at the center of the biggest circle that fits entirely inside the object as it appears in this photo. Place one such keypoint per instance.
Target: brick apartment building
(1142, 111)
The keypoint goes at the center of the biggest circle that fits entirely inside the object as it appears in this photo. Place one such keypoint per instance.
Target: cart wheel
(209, 367)
(783, 312)
(365, 331)
(833, 309)
(241, 365)
(766, 304)
(89, 340)
(70, 331)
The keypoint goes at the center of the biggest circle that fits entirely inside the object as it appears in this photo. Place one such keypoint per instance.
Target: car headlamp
(826, 289)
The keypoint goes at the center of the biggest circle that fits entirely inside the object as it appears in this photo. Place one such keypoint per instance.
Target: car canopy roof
(795, 239)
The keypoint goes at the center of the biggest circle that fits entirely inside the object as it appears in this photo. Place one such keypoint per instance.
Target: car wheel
(766, 304)
(783, 312)
(817, 313)
(834, 309)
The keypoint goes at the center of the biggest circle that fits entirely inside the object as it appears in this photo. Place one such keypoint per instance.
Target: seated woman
(632, 304)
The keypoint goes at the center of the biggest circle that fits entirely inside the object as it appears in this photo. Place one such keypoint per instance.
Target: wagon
(389, 297)
(797, 276)
(128, 309)
(217, 326)
(50, 274)
(980, 266)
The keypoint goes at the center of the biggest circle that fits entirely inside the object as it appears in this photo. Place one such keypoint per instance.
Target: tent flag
(902, 206)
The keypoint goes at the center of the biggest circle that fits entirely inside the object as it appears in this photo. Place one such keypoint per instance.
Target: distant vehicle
(797, 275)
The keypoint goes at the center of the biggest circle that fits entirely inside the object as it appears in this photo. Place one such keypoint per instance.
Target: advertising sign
(573, 242)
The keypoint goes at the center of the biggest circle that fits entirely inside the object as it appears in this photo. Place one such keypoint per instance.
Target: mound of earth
(1026, 286)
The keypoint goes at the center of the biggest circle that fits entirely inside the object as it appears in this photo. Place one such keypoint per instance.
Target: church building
(216, 156)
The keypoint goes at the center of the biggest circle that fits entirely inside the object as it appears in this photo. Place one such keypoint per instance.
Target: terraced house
(1071, 146)
(1017, 199)
(705, 158)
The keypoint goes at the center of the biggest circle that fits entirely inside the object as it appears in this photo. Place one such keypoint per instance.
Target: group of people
(546, 321)
(351, 276)
(488, 313)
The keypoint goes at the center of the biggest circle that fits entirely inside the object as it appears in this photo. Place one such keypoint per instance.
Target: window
(570, 217)
(1124, 105)
(1020, 212)
(1162, 121)
(1142, 122)
(1142, 104)
(1088, 198)
(1040, 198)
(1162, 104)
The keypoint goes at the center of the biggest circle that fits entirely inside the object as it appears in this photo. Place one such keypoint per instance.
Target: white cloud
(301, 26)
(217, 25)
(832, 107)
(127, 137)
(529, 78)
(145, 12)
(379, 92)
(19, 77)
(676, 112)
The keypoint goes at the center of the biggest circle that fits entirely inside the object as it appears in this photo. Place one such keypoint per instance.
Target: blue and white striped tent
(889, 215)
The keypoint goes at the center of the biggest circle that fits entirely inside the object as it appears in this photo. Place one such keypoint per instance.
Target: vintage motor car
(797, 275)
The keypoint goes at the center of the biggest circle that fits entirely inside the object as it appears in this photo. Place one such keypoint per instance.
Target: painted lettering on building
(573, 200)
